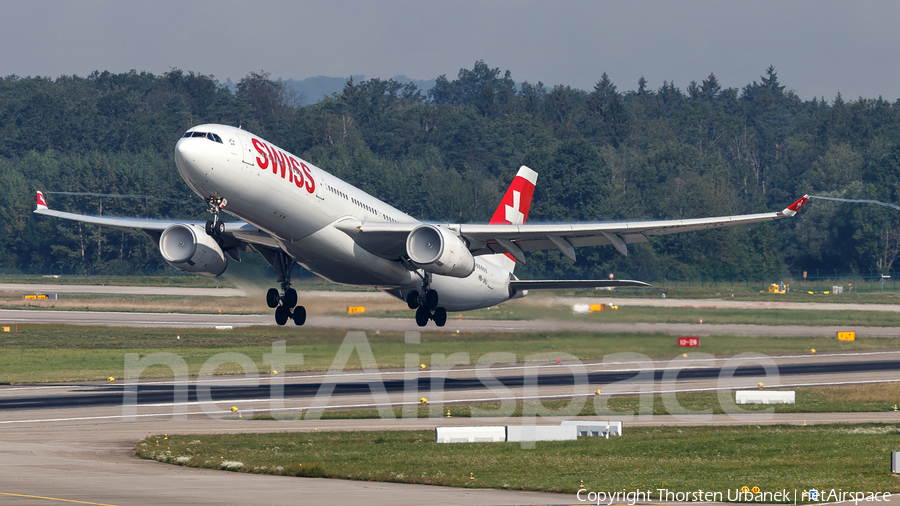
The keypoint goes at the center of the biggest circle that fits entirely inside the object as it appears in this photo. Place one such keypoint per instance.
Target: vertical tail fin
(41, 203)
(513, 210)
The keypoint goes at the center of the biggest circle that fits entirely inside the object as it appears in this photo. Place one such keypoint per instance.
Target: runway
(815, 305)
(175, 291)
(606, 298)
(187, 320)
(74, 441)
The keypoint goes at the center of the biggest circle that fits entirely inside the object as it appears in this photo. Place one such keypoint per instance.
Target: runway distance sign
(688, 342)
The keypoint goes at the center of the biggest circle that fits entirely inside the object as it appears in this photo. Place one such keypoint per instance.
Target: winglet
(795, 207)
(41, 203)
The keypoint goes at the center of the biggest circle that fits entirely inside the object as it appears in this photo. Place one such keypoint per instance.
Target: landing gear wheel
(290, 297)
(214, 205)
(431, 300)
(272, 298)
(422, 316)
(440, 316)
(299, 315)
(281, 315)
(412, 299)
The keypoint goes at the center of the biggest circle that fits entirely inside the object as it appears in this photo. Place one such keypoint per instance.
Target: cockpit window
(211, 136)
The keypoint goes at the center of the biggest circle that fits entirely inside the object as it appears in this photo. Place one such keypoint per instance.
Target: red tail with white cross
(513, 210)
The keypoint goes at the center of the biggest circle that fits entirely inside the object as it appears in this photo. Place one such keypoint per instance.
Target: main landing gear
(214, 205)
(285, 303)
(426, 305)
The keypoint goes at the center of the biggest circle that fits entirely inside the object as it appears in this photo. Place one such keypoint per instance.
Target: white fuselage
(298, 204)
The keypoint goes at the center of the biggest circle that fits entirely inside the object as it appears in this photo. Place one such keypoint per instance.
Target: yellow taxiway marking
(55, 499)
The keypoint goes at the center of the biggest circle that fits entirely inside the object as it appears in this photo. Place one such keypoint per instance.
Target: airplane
(291, 212)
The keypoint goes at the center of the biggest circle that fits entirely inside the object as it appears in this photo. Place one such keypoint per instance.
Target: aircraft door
(320, 187)
(247, 148)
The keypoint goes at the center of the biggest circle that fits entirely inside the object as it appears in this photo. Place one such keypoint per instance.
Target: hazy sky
(817, 47)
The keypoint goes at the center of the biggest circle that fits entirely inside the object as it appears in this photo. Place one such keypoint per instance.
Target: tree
(710, 88)
(606, 120)
(270, 103)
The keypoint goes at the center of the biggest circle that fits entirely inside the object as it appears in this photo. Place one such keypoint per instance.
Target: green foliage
(448, 154)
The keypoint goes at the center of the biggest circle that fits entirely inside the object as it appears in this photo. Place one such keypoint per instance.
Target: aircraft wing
(389, 239)
(236, 232)
(545, 284)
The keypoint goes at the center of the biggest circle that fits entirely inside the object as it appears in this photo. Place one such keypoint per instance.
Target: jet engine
(439, 251)
(189, 248)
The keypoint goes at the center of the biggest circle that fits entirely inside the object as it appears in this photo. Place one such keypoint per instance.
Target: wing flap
(546, 243)
(384, 239)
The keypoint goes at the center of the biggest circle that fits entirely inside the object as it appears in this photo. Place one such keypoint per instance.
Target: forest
(653, 152)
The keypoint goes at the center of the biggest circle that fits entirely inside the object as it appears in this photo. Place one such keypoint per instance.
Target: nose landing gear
(214, 205)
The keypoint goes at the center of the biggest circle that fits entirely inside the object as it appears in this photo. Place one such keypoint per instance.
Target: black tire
(299, 315)
(290, 297)
(431, 300)
(272, 298)
(281, 315)
(412, 299)
(220, 228)
(440, 316)
(422, 316)
(209, 227)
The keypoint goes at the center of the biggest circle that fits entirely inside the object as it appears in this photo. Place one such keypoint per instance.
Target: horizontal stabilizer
(548, 284)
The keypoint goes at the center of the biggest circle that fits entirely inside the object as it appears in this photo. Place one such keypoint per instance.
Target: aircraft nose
(189, 158)
(186, 151)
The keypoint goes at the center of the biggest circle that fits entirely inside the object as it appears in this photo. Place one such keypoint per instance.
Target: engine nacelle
(439, 251)
(189, 248)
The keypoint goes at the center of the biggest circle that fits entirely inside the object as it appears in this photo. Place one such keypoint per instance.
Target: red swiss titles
(285, 164)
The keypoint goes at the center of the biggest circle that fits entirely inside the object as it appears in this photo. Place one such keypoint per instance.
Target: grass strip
(687, 459)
